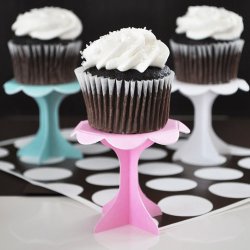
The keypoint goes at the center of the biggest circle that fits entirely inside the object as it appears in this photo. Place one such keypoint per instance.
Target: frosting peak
(48, 23)
(128, 48)
(201, 22)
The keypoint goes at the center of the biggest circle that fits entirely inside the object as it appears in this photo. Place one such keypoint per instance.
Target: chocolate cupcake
(207, 45)
(125, 83)
(45, 46)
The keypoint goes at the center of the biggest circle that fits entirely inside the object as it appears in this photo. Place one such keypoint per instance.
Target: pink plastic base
(130, 206)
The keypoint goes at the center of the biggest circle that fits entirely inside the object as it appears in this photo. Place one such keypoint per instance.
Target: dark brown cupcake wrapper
(42, 64)
(208, 63)
(125, 106)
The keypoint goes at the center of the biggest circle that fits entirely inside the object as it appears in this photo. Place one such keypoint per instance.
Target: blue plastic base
(48, 146)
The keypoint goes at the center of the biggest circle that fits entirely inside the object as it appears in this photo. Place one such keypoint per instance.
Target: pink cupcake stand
(130, 206)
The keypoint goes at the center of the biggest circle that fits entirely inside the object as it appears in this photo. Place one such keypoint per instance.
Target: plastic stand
(204, 147)
(48, 146)
(130, 206)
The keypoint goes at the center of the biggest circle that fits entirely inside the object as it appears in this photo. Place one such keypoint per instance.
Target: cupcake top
(126, 49)
(48, 23)
(202, 22)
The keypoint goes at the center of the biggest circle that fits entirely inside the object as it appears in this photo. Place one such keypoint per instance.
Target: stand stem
(200, 148)
(130, 206)
(48, 146)
(48, 119)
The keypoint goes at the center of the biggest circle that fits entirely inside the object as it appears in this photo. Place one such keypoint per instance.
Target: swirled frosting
(201, 22)
(48, 23)
(129, 48)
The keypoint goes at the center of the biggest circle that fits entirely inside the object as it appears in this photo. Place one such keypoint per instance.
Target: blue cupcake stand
(48, 146)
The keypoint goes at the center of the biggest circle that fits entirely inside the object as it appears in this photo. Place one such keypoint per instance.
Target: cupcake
(207, 45)
(125, 82)
(45, 46)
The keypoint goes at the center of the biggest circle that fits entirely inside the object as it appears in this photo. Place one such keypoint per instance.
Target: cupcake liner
(207, 63)
(125, 106)
(42, 64)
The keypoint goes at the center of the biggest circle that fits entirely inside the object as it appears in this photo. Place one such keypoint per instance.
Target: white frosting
(128, 48)
(202, 22)
(48, 23)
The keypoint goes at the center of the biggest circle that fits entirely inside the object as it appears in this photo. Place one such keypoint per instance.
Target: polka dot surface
(218, 173)
(19, 143)
(98, 163)
(3, 152)
(183, 191)
(153, 154)
(67, 132)
(104, 179)
(235, 190)
(244, 163)
(4, 165)
(176, 145)
(160, 168)
(238, 151)
(47, 174)
(171, 184)
(185, 205)
(35, 160)
(102, 197)
(92, 149)
(184, 136)
(66, 188)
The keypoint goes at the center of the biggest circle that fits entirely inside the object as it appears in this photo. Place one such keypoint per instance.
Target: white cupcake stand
(204, 147)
